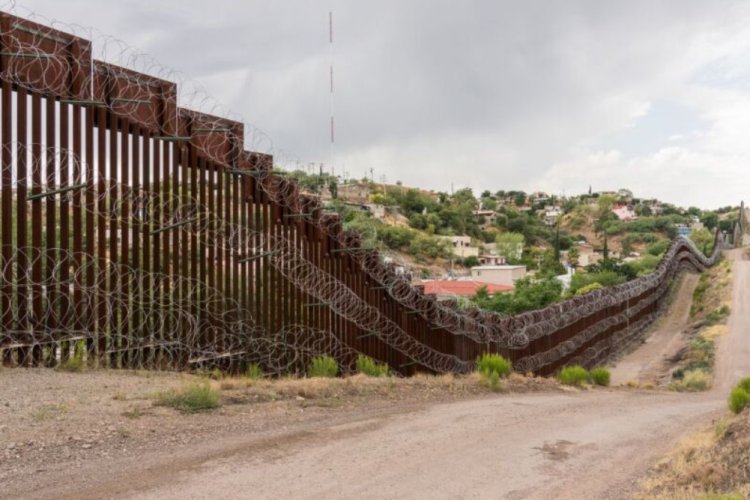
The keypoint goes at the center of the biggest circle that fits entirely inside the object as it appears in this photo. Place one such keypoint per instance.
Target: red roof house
(465, 288)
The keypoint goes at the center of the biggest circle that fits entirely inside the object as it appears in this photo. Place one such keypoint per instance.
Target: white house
(551, 214)
(624, 212)
(498, 275)
(462, 246)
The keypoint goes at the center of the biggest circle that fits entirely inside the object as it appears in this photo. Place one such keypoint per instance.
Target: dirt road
(646, 362)
(588, 444)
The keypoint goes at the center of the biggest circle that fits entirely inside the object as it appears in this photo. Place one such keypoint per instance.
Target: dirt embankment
(679, 352)
(716, 460)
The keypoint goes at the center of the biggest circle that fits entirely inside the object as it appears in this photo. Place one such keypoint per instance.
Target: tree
(710, 220)
(643, 210)
(605, 203)
(520, 199)
(471, 261)
(573, 256)
(605, 250)
(333, 188)
(527, 295)
(603, 278)
(551, 266)
(703, 239)
(510, 246)
(489, 204)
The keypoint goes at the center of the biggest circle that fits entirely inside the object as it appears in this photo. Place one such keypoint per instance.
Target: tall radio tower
(333, 134)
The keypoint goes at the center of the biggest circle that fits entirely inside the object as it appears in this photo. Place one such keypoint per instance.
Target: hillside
(411, 225)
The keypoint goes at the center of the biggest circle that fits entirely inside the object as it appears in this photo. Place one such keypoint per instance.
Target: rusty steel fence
(139, 233)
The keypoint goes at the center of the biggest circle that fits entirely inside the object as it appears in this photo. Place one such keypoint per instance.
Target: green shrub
(738, 399)
(658, 247)
(718, 315)
(74, 363)
(600, 376)
(744, 384)
(589, 288)
(492, 368)
(323, 366)
(193, 398)
(488, 364)
(368, 366)
(573, 375)
(254, 371)
(722, 496)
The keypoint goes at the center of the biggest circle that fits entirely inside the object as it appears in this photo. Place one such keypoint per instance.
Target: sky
(530, 95)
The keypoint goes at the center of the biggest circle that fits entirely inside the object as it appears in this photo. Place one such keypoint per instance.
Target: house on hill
(539, 198)
(625, 193)
(587, 255)
(487, 217)
(499, 275)
(624, 212)
(551, 214)
(462, 246)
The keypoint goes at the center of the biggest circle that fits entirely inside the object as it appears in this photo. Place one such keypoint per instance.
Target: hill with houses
(463, 246)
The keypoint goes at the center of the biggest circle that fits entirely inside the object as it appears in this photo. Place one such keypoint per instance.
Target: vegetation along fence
(138, 233)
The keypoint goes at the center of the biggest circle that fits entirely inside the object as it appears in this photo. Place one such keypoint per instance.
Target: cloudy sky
(532, 95)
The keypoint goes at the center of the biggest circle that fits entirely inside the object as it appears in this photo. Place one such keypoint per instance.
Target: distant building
(539, 197)
(462, 246)
(498, 275)
(551, 215)
(625, 193)
(607, 193)
(587, 255)
(487, 214)
(683, 230)
(378, 211)
(491, 260)
(624, 212)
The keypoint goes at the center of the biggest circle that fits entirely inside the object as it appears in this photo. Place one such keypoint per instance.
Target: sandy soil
(576, 444)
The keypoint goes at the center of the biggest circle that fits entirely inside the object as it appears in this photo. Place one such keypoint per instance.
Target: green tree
(489, 203)
(510, 246)
(573, 256)
(527, 295)
(710, 220)
(703, 239)
(333, 188)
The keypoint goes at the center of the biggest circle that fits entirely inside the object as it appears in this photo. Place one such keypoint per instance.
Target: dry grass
(713, 463)
(714, 291)
(48, 412)
(200, 396)
(332, 391)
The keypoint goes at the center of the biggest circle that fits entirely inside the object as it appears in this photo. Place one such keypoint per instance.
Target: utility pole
(330, 45)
